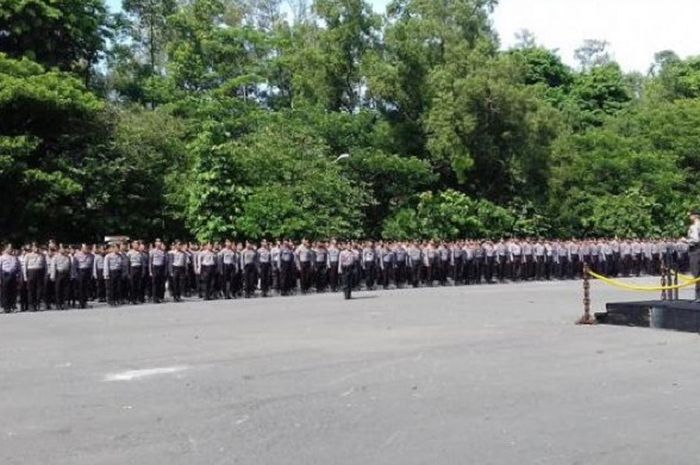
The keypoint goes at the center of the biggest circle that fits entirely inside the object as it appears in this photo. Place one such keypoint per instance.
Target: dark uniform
(83, 263)
(346, 262)
(265, 269)
(156, 269)
(35, 276)
(9, 274)
(60, 271)
(207, 265)
(249, 264)
(112, 273)
(177, 270)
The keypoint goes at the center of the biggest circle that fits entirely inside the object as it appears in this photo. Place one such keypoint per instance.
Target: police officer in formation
(36, 277)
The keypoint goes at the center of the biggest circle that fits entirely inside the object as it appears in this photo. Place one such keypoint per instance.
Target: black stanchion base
(678, 315)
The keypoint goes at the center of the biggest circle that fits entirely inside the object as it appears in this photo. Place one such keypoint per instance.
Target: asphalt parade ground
(459, 375)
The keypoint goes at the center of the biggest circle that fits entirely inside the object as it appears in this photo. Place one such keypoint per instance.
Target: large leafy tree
(68, 34)
(50, 126)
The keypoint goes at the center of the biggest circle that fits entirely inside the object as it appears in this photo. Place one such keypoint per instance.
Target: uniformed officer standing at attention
(401, 263)
(34, 275)
(112, 273)
(286, 267)
(694, 249)
(227, 269)
(83, 265)
(333, 273)
(177, 269)
(415, 263)
(135, 272)
(304, 263)
(275, 259)
(207, 263)
(156, 268)
(9, 274)
(60, 270)
(249, 264)
(265, 267)
(98, 273)
(321, 266)
(386, 263)
(346, 265)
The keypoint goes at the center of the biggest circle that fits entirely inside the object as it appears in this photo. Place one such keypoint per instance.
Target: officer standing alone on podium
(694, 249)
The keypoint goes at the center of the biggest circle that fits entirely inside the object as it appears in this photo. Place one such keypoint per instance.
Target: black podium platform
(679, 315)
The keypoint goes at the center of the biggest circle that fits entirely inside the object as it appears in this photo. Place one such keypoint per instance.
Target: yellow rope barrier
(631, 287)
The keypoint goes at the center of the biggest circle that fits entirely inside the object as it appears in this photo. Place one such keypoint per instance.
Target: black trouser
(265, 278)
(276, 284)
(100, 284)
(62, 281)
(23, 297)
(348, 272)
(516, 268)
(527, 268)
(206, 274)
(72, 291)
(457, 272)
(400, 274)
(415, 274)
(574, 267)
(637, 264)
(146, 287)
(321, 276)
(655, 267)
(489, 269)
(467, 270)
(429, 271)
(135, 281)
(444, 271)
(287, 279)
(333, 276)
(49, 292)
(178, 281)
(539, 267)
(305, 276)
(84, 277)
(114, 287)
(386, 275)
(192, 281)
(250, 274)
(501, 268)
(35, 285)
(237, 277)
(124, 287)
(370, 274)
(8, 291)
(158, 283)
(226, 276)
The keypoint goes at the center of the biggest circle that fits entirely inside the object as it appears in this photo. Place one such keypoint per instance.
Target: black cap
(695, 212)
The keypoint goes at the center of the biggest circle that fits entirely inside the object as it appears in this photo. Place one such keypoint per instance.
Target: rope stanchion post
(675, 285)
(663, 280)
(587, 318)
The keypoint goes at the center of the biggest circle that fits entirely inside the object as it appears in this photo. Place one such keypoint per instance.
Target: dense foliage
(227, 118)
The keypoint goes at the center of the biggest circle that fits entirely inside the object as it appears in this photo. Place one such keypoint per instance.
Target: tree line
(209, 119)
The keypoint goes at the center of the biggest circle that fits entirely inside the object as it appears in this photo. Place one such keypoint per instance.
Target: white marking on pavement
(138, 374)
